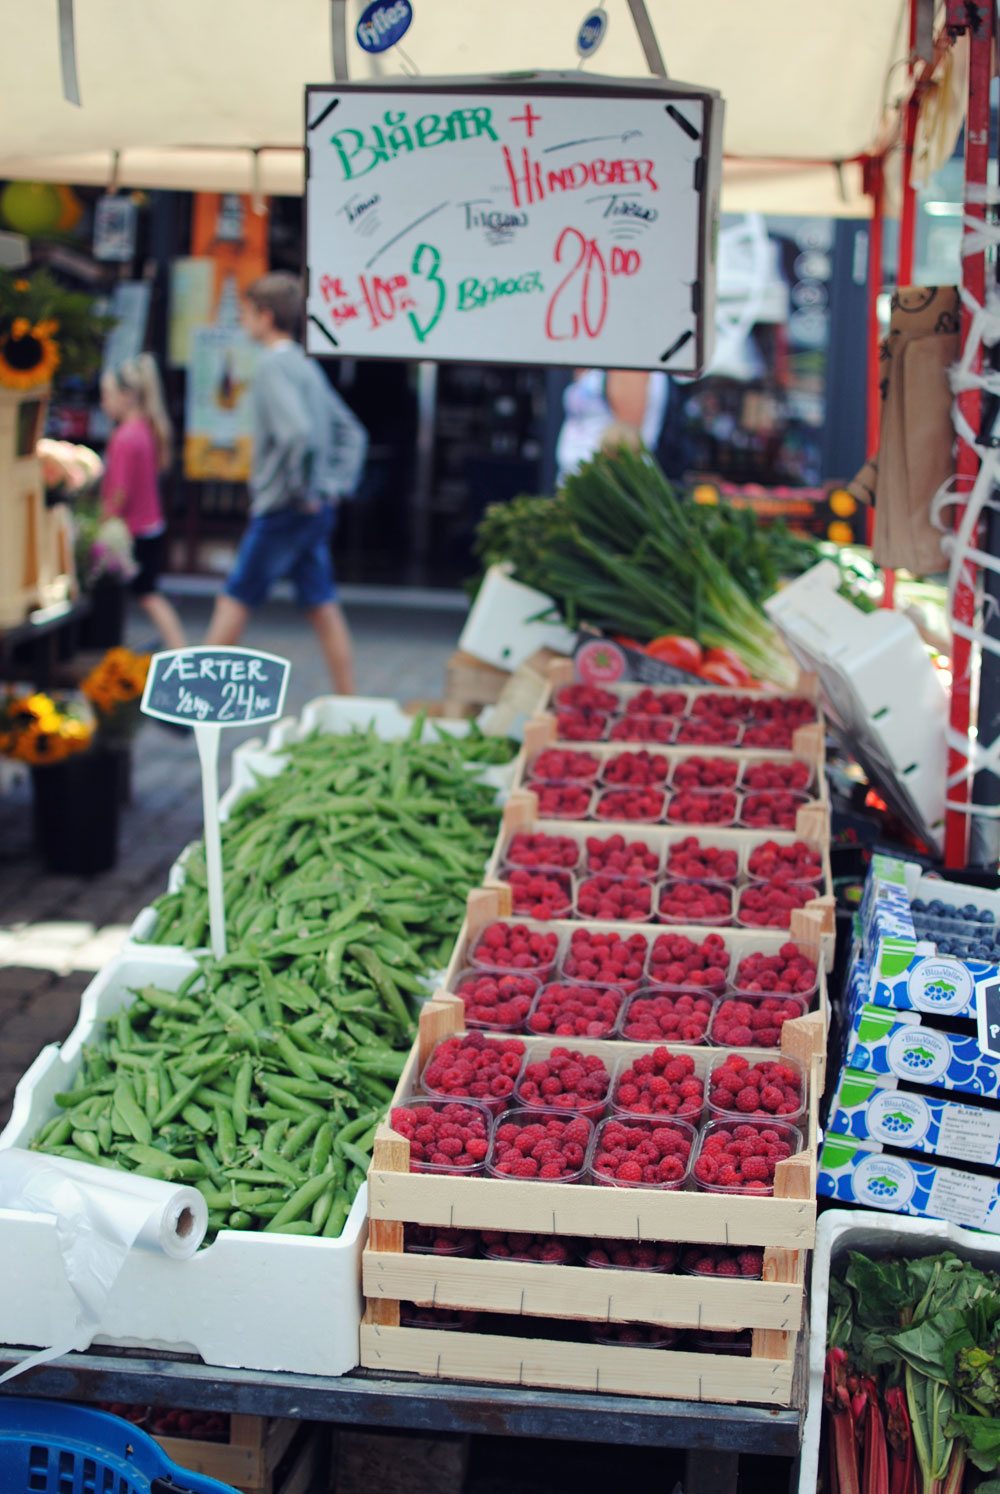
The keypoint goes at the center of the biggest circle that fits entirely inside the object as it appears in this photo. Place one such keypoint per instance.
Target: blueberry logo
(898, 1119)
(383, 24)
(936, 985)
(918, 1053)
(886, 1182)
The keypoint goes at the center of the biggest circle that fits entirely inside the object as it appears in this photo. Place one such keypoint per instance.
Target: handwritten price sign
(567, 224)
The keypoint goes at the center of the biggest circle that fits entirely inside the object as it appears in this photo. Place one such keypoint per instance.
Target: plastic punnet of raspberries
(642, 1154)
(586, 698)
(616, 856)
(770, 905)
(457, 1319)
(575, 1010)
(631, 1255)
(704, 772)
(708, 731)
(433, 1239)
(659, 1083)
(797, 862)
(768, 1088)
(786, 972)
(691, 860)
(474, 1067)
(444, 1135)
(661, 729)
(795, 775)
(561, 765)
(564, 1079)
(789, 710)
(741, 1156)
(636, 769)
(630, 804)
(562, 801)
(700, 806)
(677, 961)
(599, 957)
(513, 1245)
(636, 1335)
(615, 899)
(581, 725)
(753, 1021)
(513, 946)
(696, 902)
(656, 703)
(546, 852)
(539, 894)
(775, 808)
(501, 1002)
(720, 706)
(724, 1260)
(540, 1145)
(774, 735)
(651, 1015)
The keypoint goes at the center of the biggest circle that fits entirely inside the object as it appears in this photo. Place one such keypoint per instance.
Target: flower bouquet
(114, 688)
(103, 548)
(45, 328)
(38, 730)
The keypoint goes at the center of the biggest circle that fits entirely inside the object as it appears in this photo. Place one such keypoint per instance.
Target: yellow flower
(21, 285)
(27, 357)
(20, 327)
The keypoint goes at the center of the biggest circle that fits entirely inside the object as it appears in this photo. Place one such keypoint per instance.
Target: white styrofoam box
(840, 1230)
(502, 627)
(879, 687)
(249, 1300)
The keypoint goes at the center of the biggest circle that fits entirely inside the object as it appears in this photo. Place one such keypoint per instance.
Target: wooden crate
(772, 1307)
(471, 682)
(27, 573)
(250, 1459)
(563, 672)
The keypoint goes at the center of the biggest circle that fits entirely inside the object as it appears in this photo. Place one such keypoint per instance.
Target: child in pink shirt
(139, 450)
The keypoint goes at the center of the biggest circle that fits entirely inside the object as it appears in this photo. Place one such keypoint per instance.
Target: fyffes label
(383, 24)
(918, 1053)
(936, 985)
(591, 32)
(899, 1119)
(884, 1182)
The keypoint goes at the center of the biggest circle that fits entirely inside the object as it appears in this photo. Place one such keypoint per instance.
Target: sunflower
(28, 354)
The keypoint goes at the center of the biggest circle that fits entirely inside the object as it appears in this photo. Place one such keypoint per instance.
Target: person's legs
(164, 618)
(229, 619)
(335, 641)
(150, 555)
(267, 549)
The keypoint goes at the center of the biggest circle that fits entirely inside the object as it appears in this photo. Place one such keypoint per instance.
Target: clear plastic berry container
(769, 775)
(618, 855)
(770, 905)
(662, 1086)
(723, 1098)
(563, 1142)
(583, 697)
(467, 1114)
(513, 1245)
(539, 851)
(630, 1255)
(785, 972)
(708, 731)
(790, 710)
(564, 765)
(575, 725)
(753, 1021)
(614, 898)
(679, 963)
(737, 1341)
(452, 1319)
(636, 1335)
(538, 894)
(661, 730)
(429, 1239)
(576, 1084)
(771, 809)
(798, 862)
(702, 806)
(696, 902)
(576, 1009)
(696, 859)
(654, 703)
(635, 769)
(734, 1262)
(785, 1135)
(635, 805)
(563, 801)
(656, 1015)
(509, 946)
(663, 1161)
(720, 704)
(473, 1061)
(496, 1001)
(704, 771)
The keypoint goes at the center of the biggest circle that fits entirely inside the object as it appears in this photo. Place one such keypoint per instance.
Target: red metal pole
(977, 18)
(908, 214)
(873, 185)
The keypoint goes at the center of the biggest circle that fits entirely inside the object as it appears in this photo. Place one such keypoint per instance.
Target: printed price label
(961, 1197)
(970, 1133)
(215, 687)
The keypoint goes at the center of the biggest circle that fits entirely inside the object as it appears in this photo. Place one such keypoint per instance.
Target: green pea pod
(132, 1117)
(240, 1219)
(302, 1199)
(353, 1154)
(241, 1096)
(337, 1217)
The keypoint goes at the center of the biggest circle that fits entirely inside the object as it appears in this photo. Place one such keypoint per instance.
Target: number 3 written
(427, 262)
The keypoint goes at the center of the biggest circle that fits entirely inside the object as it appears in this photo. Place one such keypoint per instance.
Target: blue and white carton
(855, 1172)
(882, 1041)
(871, 1108)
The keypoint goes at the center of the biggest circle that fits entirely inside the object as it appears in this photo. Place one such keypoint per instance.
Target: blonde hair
(140, 377)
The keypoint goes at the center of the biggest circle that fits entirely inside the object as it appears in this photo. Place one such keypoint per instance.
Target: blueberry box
(890, 1042)
(861, 1172)
(870, 1107)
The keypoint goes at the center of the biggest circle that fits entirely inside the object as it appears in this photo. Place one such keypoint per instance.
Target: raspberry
(702, 807)
(445, 1134)
(581, 725)
(505, 945)
(771, 808)
(755, 1169)
(545, 851)
(582, 697)
(621, 857)
(565, 1081)
(638, 769)
(554, 1147)
(650, 703)
(475, 1066)
(630, 804)
(704, 772)
(559, 766)
(642, 1153)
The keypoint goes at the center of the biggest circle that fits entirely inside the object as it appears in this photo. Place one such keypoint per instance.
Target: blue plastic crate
(49, 1447)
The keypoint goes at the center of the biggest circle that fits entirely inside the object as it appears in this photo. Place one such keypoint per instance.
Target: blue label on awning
(383, 24)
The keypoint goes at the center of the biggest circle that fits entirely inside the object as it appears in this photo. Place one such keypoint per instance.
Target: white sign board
(551, 222)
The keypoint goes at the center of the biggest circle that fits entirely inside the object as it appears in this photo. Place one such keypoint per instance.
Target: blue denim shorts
(288, 545)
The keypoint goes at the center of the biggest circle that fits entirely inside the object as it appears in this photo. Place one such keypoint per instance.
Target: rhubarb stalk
(903, 1471)
(875, 1477)
(843, 1445)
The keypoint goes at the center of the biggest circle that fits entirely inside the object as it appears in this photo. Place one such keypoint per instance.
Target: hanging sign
(570, 221)
(116, 221)
(383, 24)
(209, 688)
(988, 1017)
(591, 32)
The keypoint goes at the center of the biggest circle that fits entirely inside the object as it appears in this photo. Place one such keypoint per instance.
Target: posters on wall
(218, 439)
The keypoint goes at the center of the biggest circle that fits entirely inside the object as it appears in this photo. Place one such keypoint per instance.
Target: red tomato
(718, 673)
(673, 649)
(732, 661)
(627, 642)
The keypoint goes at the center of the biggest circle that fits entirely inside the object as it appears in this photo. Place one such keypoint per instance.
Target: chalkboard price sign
(550, 220)
(215, 687)
(988, 1017)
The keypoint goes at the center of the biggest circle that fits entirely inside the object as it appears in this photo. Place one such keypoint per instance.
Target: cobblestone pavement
(56, 931)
